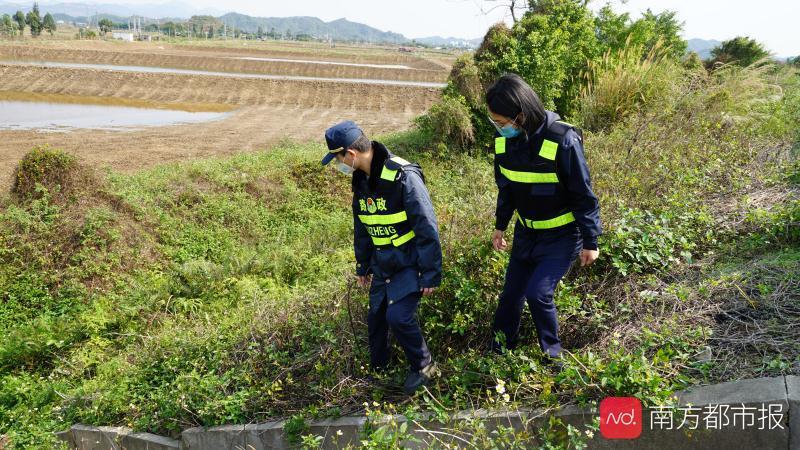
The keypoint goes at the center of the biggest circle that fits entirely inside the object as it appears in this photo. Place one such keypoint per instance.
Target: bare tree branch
(512, 5)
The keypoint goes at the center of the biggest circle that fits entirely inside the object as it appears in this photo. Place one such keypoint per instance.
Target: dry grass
(621, 82)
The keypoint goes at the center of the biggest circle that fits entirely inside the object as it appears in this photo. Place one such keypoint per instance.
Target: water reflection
(21, 115)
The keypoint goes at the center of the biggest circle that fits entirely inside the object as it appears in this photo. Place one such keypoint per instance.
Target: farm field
(262, 111)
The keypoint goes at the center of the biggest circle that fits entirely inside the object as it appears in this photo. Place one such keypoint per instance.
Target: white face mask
(345, 169)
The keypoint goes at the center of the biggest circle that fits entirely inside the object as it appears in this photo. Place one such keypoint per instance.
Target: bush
(741, 50)
(551, 46)
(465, 79)
(448, 123)
(54, 170)
(641, 241)
(548, 47)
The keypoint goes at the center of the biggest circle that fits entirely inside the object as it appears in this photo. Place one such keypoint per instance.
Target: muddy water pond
(50, 116)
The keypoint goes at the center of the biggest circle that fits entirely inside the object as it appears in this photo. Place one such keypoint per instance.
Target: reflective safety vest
(539, 196)
(381, 211)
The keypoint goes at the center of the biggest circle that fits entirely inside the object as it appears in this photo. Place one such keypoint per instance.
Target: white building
(122, 35)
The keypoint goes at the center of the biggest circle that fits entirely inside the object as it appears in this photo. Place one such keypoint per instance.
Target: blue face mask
(509, 131)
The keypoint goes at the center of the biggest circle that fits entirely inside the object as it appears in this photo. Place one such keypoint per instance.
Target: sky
(771, 22)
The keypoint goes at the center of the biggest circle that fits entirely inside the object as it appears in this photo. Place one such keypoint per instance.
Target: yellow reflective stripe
(403, 239)
(382, 219)
(400, 161)
(499, 145)
(549, 223)
(529, 177)
(548, 150)
(388, 174)
(382, 241)
(396, 241)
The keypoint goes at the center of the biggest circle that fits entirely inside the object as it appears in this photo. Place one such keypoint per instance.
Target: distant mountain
(153, 10)
(340, 29)
(702, 47)
(438, 41)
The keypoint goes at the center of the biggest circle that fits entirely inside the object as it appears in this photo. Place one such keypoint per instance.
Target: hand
(427, 291)
(588, 256)
(364, 280)
(498, 241)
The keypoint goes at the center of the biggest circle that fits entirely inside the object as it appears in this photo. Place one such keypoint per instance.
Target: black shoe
(555, 363)
(417, 378)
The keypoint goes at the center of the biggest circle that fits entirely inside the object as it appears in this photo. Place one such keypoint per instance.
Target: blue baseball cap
(339, 137)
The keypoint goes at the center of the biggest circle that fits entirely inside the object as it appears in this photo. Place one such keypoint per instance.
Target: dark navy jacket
(572, 193)
(412, 266)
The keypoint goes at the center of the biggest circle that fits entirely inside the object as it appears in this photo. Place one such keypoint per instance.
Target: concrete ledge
(783, 393)
(339, 432)
(793, 397)
(261, 436)
(148, 441)
(88, 437)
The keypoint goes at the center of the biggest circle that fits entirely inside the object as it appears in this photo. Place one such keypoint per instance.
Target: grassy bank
(220, 291)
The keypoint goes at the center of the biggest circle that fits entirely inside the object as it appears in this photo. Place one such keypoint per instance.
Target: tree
(34, 20)
(741, 50)
(19, 17)
(612, 29)
(654, 28)
(105, 25)
(548, 47)
(49, 23)
(7, 26)
(514, 7)
(615, 31)
(169, 28)
(693, 62)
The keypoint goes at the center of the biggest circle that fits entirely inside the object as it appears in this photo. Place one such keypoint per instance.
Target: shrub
(550, 47)
(448, 123)
(741, 50)
(465, 79)
(642, 241)
(56, 171)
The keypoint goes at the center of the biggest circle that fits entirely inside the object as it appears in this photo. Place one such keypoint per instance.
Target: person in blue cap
(541, 173)
(396, 244)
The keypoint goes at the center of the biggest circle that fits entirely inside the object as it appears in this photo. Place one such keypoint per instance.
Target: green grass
(220, 291)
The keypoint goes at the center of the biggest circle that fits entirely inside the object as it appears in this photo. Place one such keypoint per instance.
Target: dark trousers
(533, 276)
(399, 317)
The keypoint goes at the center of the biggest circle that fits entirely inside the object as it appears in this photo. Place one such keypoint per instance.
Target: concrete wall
(781, 392)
